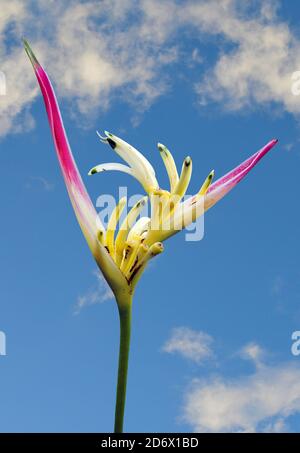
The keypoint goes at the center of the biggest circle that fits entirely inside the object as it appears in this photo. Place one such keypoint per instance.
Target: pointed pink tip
(266, 148)
(30, 54)
(237, 174)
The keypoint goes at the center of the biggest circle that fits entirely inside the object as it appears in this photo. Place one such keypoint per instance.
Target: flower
(122, 256)
(170, 214)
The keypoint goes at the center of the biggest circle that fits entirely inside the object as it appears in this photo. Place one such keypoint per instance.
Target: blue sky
(212, 320)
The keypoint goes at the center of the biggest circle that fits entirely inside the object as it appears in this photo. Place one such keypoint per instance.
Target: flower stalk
(125, 310)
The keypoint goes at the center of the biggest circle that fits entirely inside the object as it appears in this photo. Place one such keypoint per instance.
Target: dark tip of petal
(93, 171)
(141, 203)
(30, 54)
(187, 161)
(112, 143)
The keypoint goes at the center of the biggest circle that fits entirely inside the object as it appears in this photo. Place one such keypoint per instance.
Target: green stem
(125, 328)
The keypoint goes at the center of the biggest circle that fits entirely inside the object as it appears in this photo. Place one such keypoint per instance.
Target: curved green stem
(124, 304)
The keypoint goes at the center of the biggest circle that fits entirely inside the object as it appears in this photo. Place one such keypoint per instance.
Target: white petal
(135, 159)
(109, 167)
(116, 167)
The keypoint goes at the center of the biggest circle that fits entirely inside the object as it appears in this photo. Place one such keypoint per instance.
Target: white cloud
(97, 51)
(98, 293)
(259, 402)
(191, 344)
(277, 426)
(93, 51)
(252, 351)
(258, 65)
(196, 57)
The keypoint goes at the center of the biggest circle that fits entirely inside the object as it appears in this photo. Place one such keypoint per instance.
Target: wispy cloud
(191, 344)
(261, 55)
(252, 351)
(127, 50)
(98, 293)
(45, 184)
(288, 146)
(277, 285)
(259, 402)
(93, 50)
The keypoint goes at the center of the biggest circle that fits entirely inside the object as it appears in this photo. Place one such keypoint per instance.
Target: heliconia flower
(123, 251)
(169, 214)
